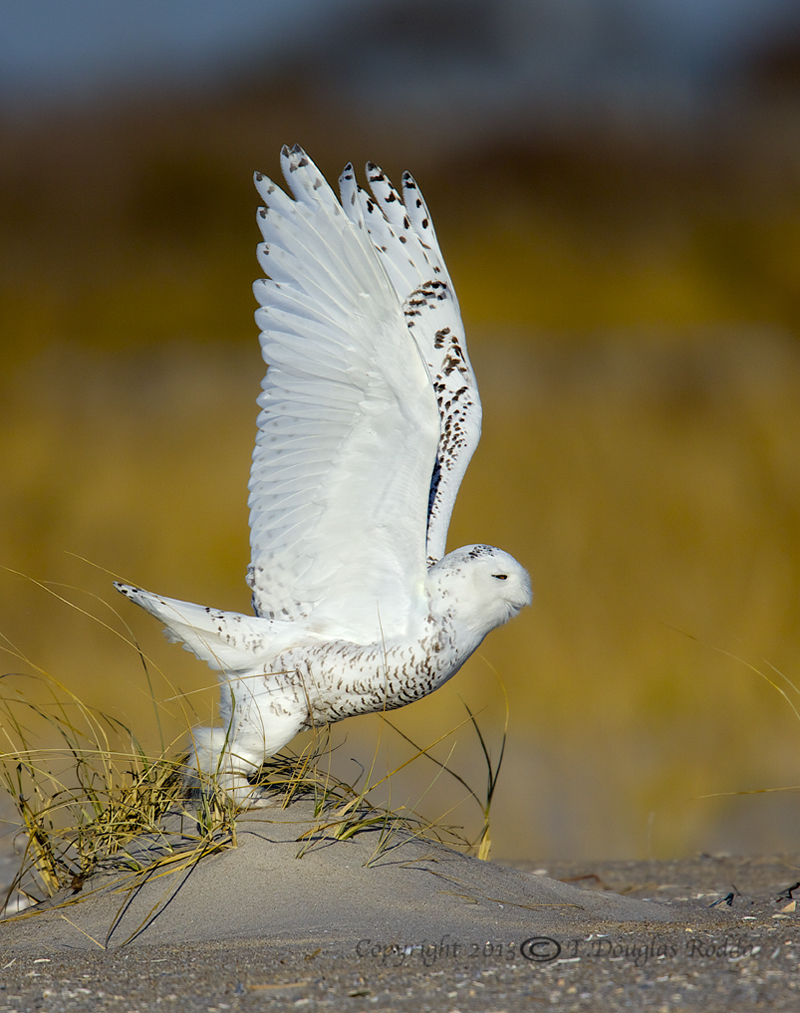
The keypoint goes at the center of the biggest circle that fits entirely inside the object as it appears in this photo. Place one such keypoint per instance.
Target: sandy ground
(355, 926)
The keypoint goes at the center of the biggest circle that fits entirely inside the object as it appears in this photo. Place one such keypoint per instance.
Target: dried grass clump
(96, 804)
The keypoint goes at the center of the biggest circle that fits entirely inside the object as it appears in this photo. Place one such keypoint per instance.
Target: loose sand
(354, 926)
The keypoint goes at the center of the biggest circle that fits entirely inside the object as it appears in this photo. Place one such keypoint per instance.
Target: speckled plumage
(369, 417)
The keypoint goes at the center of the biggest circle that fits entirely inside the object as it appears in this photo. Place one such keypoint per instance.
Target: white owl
(369, 417)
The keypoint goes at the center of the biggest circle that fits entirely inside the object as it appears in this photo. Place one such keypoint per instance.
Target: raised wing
(349, 428)
(403, 234)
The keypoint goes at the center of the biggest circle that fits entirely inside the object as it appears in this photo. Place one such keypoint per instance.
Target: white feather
(404, 239)
(353, 556)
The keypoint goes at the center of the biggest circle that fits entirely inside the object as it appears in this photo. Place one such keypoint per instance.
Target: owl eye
(500, 576)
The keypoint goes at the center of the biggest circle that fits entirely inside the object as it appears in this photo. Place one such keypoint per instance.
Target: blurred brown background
(616, 188)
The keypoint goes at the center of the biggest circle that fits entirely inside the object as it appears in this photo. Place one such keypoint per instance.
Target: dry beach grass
(96, 804)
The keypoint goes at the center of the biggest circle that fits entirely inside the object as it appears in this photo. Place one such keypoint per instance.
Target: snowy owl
(369, 417)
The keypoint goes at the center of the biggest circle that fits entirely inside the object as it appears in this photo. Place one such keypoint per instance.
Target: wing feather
(349, 426)
(402, 232)
(417, 211)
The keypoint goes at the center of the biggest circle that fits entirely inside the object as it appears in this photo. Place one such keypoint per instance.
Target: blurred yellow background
(631, 292)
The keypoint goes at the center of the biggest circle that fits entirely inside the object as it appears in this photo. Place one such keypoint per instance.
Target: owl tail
(227, 641)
